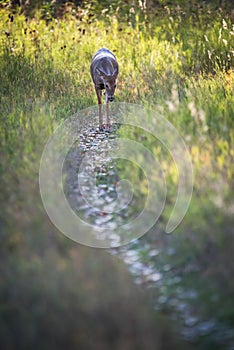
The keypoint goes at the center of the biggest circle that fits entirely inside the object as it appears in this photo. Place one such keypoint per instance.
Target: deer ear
(116, 71)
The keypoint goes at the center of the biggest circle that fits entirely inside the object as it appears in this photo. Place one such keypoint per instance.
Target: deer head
(109, 81)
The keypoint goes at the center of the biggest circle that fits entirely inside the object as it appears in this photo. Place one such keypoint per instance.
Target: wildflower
(224, 24)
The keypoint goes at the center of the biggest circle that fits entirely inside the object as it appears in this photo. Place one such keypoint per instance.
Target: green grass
(177, 60)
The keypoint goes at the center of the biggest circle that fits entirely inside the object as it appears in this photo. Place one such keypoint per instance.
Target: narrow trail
(95, 199)
(145, 261)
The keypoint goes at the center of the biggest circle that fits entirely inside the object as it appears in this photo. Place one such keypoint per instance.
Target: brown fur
(104, 71)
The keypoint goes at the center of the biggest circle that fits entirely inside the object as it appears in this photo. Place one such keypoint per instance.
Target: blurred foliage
(175, 56)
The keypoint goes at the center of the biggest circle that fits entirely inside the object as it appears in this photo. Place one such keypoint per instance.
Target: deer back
(104, 68)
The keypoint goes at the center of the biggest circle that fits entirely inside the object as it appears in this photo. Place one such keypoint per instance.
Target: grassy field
(177, 59)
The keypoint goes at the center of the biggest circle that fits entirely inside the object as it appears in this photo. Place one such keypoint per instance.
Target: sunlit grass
(182, 68)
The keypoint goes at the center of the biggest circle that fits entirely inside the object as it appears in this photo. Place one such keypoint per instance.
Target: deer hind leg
(99, 97)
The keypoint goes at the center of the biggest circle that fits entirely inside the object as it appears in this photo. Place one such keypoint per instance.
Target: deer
(104, 70)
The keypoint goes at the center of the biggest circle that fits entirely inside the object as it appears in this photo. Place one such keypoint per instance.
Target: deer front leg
(107, 117)
(99, 97)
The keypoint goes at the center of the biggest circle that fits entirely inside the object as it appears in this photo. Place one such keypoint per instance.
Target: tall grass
(178, 60)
